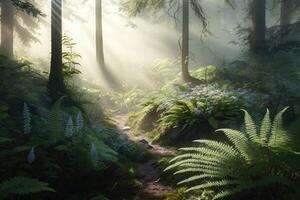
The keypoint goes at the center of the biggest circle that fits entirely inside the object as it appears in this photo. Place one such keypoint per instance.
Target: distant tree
(7, 28)
(56, 80)
(134, 7)
(258, 30)
(288, 7)
(9, 22)
(99, 34)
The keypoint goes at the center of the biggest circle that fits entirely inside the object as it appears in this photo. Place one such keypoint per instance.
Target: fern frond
(219, 146)
(250, 127)
(265, 128)
(279, 137)
(197, 178)
(239, 140)
(211, 184)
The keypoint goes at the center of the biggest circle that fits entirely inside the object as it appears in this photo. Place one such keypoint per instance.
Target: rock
(145, 144)
(126, 128)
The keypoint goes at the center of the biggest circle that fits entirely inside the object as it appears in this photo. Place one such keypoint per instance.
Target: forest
(150, 100)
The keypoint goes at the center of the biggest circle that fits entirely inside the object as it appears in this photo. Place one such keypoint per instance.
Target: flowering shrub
(183, 111)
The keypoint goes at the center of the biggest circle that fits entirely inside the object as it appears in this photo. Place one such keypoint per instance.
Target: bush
(184, 113)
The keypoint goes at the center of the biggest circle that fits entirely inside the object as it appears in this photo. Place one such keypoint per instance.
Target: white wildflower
(26, 119)
(79, 121)
(31, 156)
(94, 155)
(69, 128)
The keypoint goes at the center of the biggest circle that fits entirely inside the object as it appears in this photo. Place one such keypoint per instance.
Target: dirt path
(152, 188)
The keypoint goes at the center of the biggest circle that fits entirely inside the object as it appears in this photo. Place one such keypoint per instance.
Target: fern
(55, 122)
(22, 186)
(252, 159)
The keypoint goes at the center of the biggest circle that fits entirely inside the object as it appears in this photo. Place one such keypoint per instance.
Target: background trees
(134, 7)
(8, 20)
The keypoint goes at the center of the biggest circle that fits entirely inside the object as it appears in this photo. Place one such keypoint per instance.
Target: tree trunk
(185, 41)
(7, 28)
(258, 35)
(187, 78)
(56, 80)
(286, 12)
(99, 35)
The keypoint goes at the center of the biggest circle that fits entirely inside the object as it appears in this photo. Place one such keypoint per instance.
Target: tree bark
(187, 78)
(185, 41)
(99, 35)
(258, 34)
(56, 80)
(7, 28)
(286, 12)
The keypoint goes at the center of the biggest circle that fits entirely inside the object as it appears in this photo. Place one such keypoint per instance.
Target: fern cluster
(253, 158)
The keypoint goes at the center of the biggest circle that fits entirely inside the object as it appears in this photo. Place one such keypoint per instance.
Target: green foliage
(70, 63)
(20, 82)
(99, 197)
(182, 112)
(135, 7)
(3, 111)
(27, 7)
(22, 186)
(253, 159)
(65, 161)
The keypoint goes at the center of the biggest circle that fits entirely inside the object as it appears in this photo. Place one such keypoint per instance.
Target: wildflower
(198, 111)
(94, 155)
(31, 156)
(79, 121)
(69, 128)
(26, 119)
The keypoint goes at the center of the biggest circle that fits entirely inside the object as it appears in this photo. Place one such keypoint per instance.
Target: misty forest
(150, 100)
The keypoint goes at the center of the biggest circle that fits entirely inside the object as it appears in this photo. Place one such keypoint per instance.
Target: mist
(126, 56)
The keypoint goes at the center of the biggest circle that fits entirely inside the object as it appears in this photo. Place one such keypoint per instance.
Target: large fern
(253, 158)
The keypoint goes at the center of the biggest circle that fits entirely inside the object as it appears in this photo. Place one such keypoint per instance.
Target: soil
(149, 172)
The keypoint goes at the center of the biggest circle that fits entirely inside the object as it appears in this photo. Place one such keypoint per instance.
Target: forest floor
(148, 171)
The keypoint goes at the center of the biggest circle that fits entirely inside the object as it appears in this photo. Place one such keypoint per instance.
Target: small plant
(70, 63)
(253, 159)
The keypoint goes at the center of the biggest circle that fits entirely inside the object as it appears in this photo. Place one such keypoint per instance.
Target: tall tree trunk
(258, 34)
(187, 78)
(7, 28)
(185, 41)
(56, 80)
(286, 12)
(99, 35)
